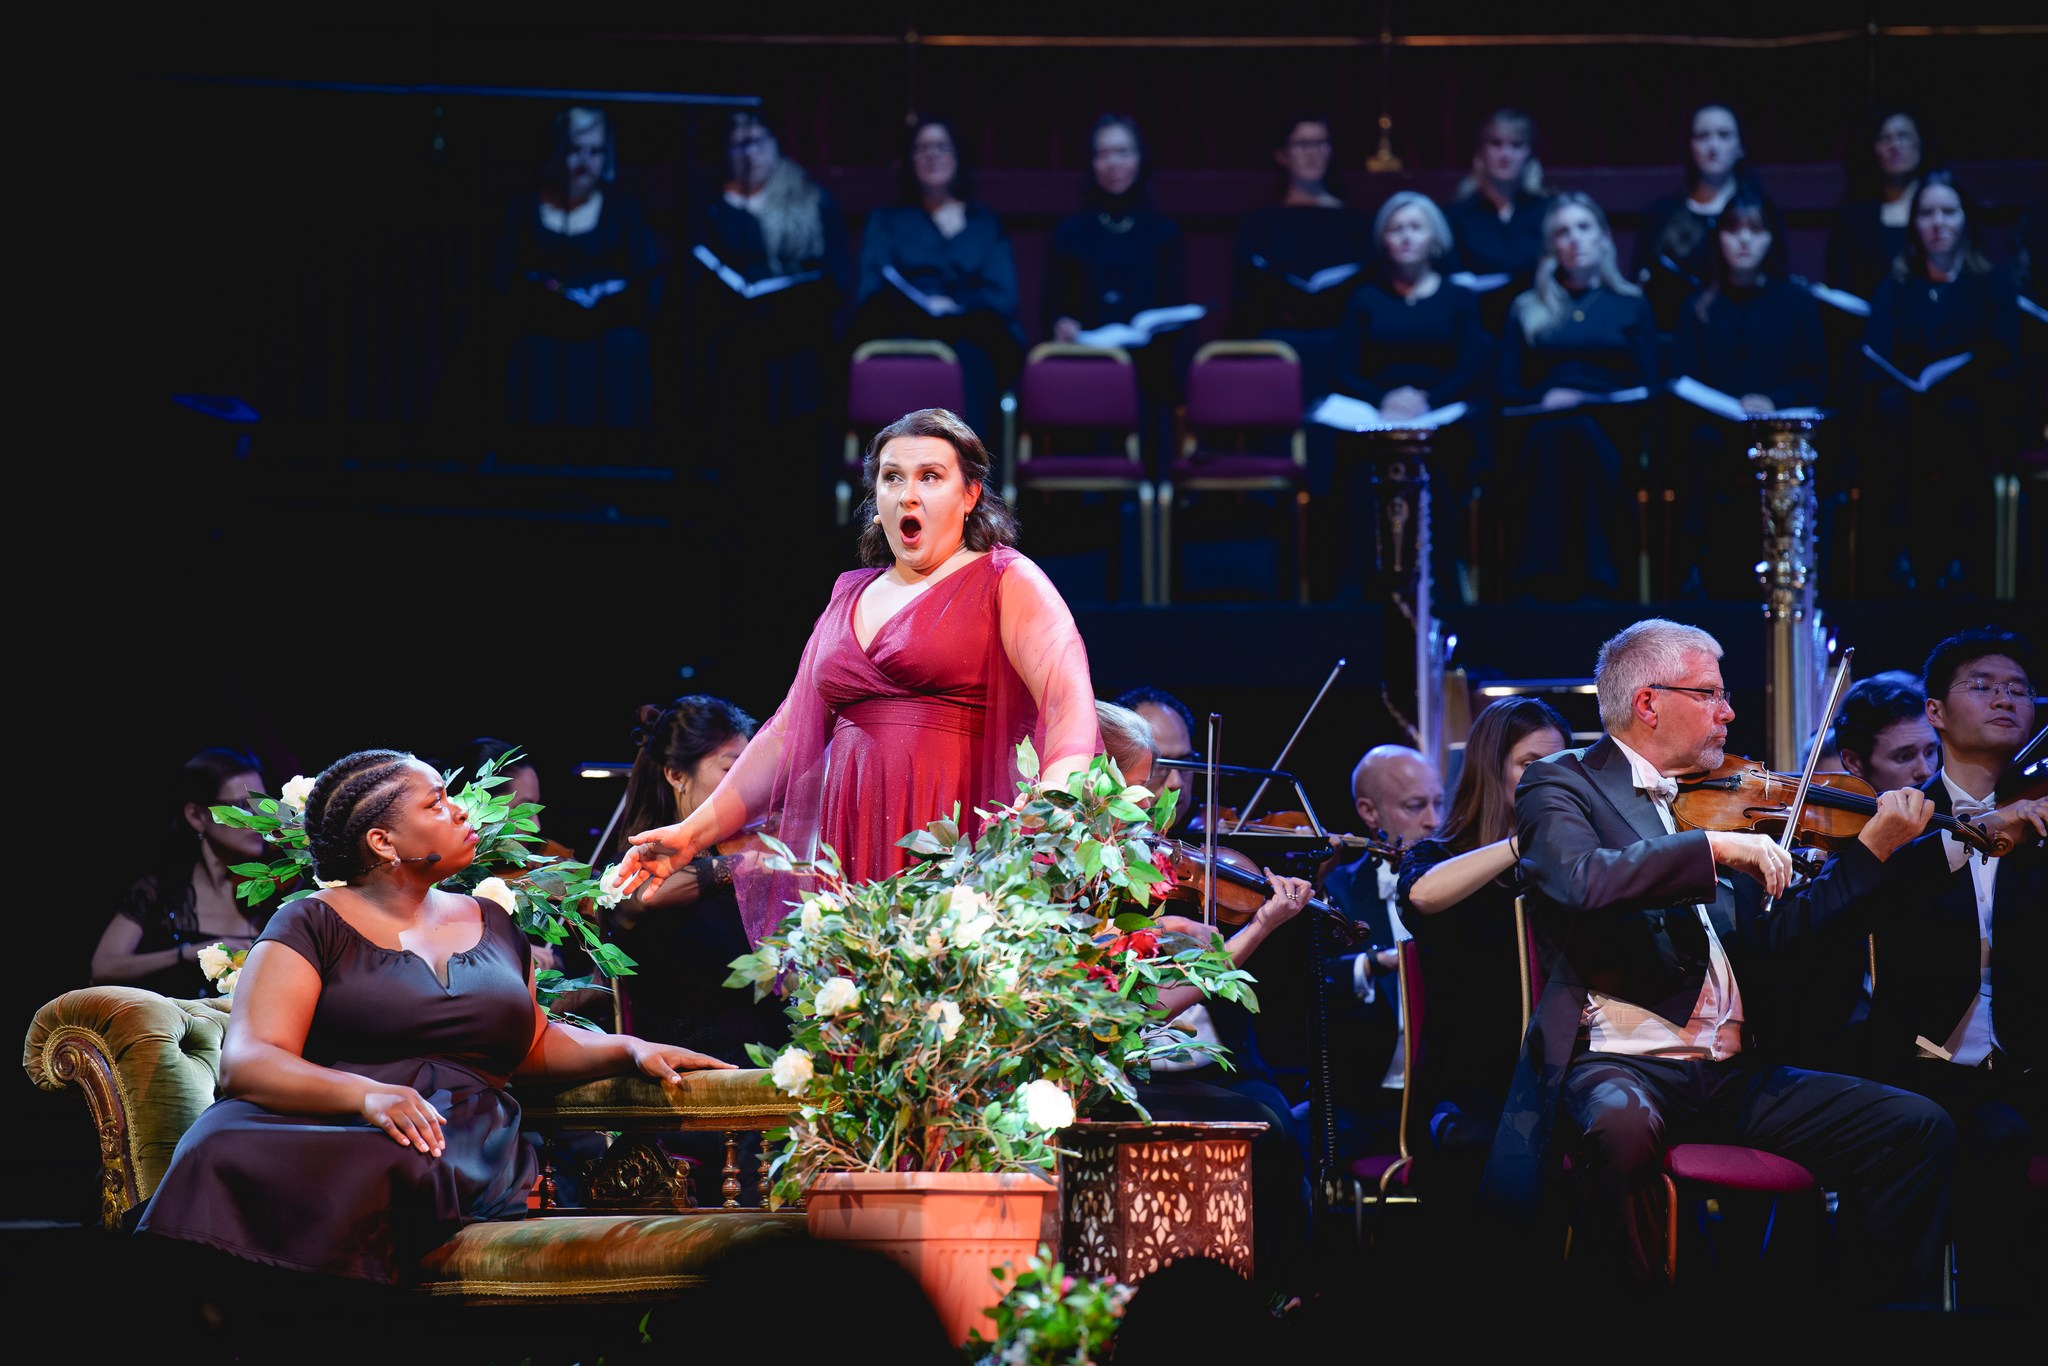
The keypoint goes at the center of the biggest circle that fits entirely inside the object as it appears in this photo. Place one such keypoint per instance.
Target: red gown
(872, 744)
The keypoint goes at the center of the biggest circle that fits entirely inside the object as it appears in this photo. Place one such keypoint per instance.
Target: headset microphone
(423, 858)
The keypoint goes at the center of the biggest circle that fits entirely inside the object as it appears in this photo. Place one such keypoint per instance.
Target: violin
(1296, 823)
(1241, 888)
(1743, 794)
(1272, 823)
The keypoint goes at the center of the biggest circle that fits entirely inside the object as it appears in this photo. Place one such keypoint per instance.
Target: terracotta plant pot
(949, 1229)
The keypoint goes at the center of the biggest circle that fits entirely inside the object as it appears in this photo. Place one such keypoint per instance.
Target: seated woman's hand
(404, 1114)
(1561, 398)
(653, 856)
(668, 1062)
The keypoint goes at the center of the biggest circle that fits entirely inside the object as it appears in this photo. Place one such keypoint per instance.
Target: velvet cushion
(1109, 469)
(1736, 1167)
(1220, 467)
(164, 1057)
(1371, 1169)
(737, 1099)
(588, 1257)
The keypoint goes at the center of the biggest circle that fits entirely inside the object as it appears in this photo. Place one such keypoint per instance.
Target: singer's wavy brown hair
(990, 522)
(349, 798)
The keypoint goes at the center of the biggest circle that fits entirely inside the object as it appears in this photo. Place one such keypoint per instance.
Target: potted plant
(951, 1020)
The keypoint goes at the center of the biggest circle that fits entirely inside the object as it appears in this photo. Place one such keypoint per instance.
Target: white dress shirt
(577, 221)
(1715, 1029)
(1973, 1038)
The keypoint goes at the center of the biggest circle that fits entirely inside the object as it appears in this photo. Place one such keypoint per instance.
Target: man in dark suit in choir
(1957, 1012)
(1641, 1038)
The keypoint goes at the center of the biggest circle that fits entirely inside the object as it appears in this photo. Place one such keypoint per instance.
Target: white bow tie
(1661, 789)
(1388, 882)
(1973, 806)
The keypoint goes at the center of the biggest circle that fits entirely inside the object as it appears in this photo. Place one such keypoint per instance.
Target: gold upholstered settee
(147, 1066)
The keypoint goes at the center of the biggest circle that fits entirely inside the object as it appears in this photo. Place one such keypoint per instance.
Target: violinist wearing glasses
(1655, 1026)
(1957, 1012)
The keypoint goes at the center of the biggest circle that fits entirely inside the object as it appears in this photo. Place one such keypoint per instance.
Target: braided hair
(350, 796)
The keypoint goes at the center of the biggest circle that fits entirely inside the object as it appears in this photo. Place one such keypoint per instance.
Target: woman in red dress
(921, 676)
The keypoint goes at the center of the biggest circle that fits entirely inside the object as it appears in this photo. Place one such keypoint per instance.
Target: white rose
(214, 960)
(964, 900)
(837, 996)
(970, 931)
(496, 889)
(296, 791)
(609, 893)
(227, 983)
(1046, 1105)
(948, 1016)
(812, 919)
(791, 1070)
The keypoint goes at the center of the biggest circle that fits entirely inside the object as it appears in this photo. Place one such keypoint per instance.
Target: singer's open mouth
(910, 528)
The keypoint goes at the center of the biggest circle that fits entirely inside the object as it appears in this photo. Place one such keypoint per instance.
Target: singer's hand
(653, 857)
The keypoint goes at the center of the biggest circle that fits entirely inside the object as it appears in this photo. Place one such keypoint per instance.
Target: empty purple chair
(887, 379)
(1243, 434)
(1077, 432)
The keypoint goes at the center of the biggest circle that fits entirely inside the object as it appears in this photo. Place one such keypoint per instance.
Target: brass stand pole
(1783, 458)
(1413, 689)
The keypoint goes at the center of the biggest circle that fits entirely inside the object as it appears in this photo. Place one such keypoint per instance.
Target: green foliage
(1049, 1318)
(545, 891)
(958, 1014)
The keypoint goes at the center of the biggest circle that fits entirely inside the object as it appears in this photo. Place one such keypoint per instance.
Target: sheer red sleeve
(1045, 690)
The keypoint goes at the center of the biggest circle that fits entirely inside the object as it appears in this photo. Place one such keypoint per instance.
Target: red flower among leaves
(1144, 943)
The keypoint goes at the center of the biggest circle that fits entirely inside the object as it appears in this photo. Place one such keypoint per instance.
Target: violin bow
(1253, 805)
(1212, 744)
(1836, 688)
